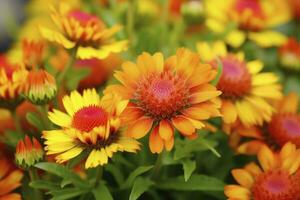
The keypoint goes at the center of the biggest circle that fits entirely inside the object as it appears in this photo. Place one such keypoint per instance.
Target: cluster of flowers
(157, 95)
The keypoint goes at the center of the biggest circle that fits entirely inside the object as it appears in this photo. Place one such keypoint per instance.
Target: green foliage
(140, 186)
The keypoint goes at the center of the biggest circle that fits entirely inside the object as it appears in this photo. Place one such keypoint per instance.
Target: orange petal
(237, 192)
(251, 148)
(183, 125)
(253, 169)
(243, 177)
(11, 196)
(11, 182)
(266, 158)
(166, 130)
(289, 104)
(229, 112)
(140, 128)
(156, 143)
(169, 144)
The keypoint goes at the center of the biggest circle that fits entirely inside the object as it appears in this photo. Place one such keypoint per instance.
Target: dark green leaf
(140, 186)
(117, 174)
(134, 174)
(44, 185)
(189, 167)
(75, 76)
(102, 192)
(69, 193)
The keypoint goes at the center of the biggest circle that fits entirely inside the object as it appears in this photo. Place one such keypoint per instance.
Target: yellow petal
(229, 112)
(238, 192)
(268, 38)
(255, 66)
(243, 177)
(266, 158)
(166, 130)
(54, 36)
(183, 125)
(140, 128)
(59, 118)
(235, 38)
(156, 143)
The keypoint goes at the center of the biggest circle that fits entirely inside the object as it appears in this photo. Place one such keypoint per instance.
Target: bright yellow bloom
(90, 124)
(84, 31)
(166, 95)
(253, 19)
(276, 178)
(245, 91)
(284, 127)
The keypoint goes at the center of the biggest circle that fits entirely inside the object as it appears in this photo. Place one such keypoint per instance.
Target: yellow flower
(253, 19)
(166, 95)
(90, 124)
(284, 127)
(276, 178)
(245, 91)
(83, 31)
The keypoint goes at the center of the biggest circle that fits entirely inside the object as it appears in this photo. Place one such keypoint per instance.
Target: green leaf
(69, 193)
(207, 144)
(102, 192)
(75, 76)
(11, 138)
(140, 170)
(44, 185)
(35, 120)
(195, 183)
(116, 172)
(189, 167)
(63, 172)
(140, 186)
(185, 148)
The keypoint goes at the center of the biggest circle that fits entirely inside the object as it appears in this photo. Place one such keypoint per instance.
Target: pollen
(235, 80)
(284, 128)
(276, 185)
(87, 118)
(162, 95)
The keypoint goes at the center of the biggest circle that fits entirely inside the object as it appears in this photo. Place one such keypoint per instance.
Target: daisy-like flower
(289, 54)
(276, 177)
(83, 31)
(253, 19)
(10, 179)
(40, 87)
(12, 80)
(284, 127)
(245, 91)
(165, 95)
(91, 124)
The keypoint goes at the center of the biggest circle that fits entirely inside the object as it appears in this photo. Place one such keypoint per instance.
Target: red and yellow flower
(10, 179)
(289, 54)
(91, 124)
(245, 91)
(83, 31)
(295, 7)
(284, 127)
(276, 177)
(253, 19)
(33, 52)
(166, 95)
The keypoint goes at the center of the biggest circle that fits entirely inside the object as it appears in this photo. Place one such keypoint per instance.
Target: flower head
(32, 53)
(276, 177)
(289, 54)
(12, 80)
(40, 87)
(245, 91)
(166, 95)
(252, 18)
(10, 179)
(28, 152)
(91, 124)
(83, 31)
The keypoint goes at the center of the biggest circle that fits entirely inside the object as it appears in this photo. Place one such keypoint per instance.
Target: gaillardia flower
(83, 31)
(12, 79)
(276, 178)
(10, 179)
(166, 95)
(289, 55)
(253, 19)
(245, 91)
(284, 127)
(40, 87)
(33, 52)
(91, 124)
(28, 152)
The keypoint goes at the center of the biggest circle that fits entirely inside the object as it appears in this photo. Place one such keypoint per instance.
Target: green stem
(17, 121)
(130, 21)
(157, 166)
(99, 174)
(67, 68)
(33, 176)
(44, 112)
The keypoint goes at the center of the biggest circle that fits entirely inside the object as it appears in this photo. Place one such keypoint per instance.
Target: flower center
(82, 17)
(276, 185)
(87, 118)
(248, 14)
(284, 128)
(235, 80)
(162, 95)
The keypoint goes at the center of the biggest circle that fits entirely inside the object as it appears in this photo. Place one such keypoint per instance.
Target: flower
(276, 178)
(284, 127)
(12, 79)
(295, 7)
(166, 95)
(40, 87)
(32, 53)
(83, 31)
(289, 54)
(253, 19)
(10, 179)
(28, 152)
(245, 91)
(91, 124)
